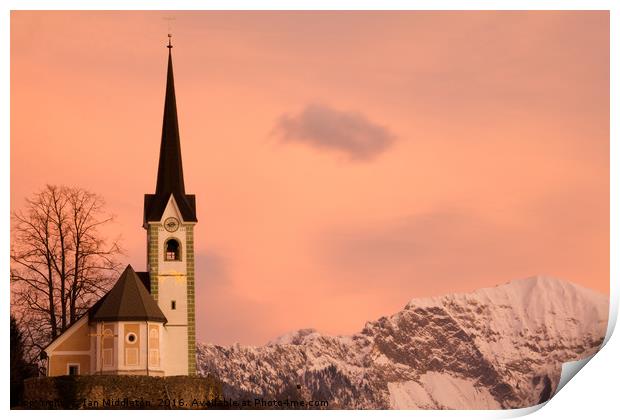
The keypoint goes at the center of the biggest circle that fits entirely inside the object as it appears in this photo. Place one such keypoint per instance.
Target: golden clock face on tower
(171, 224)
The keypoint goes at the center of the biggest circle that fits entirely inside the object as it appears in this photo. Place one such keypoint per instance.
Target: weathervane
(169, 41)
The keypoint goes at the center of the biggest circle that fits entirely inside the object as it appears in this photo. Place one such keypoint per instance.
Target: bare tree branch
(60, 262)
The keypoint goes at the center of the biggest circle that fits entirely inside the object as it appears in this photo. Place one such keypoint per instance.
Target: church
(145, 324)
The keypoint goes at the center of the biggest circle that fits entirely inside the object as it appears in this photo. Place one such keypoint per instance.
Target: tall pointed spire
(170, 170)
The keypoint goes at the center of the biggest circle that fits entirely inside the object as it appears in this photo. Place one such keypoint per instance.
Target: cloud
(224, 315)
(431, 254)
(214, 267)
(450, 249)
(322, 127)
(443, 243)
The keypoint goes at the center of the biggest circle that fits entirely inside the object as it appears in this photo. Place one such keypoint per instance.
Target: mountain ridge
(496, 347)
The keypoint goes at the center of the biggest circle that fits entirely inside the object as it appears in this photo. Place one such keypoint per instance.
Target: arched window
(107, 345)
(173, 250)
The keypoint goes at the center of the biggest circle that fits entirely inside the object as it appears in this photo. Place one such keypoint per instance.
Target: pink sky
(343, 163)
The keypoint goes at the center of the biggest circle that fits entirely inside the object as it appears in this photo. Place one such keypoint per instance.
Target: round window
(131, 337)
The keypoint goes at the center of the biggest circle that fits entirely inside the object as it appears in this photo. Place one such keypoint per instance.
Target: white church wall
(175, 350)
(172, 287)
(103, 347)
(166, 266)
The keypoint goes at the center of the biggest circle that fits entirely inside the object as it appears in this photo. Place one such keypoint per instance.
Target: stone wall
(152, 251)
(121, 392)
(191, 317)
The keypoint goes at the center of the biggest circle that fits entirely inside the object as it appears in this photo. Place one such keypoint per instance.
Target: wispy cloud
(348, 132)
(224, 312)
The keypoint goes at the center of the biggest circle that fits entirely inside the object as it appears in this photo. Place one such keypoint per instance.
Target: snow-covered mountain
(498, 347)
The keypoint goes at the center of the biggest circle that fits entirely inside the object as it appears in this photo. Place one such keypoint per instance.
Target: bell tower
(169, 220)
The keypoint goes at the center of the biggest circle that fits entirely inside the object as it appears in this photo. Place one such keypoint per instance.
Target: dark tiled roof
(128, 300)
(170, 170)
(155, 204)
(145, 277)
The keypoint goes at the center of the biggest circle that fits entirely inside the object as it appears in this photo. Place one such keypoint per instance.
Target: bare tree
(60, 262)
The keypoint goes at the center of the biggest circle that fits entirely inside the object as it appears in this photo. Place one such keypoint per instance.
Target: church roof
(145, 277)
(170, 169)
(128, 300)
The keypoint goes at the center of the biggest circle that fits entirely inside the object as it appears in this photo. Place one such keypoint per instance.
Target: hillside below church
(497, 347)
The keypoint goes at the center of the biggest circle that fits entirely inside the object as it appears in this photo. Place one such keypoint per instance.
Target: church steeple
(170, 170)
(169, 219)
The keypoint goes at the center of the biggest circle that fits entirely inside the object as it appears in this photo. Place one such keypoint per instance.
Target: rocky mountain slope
(498, 347)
